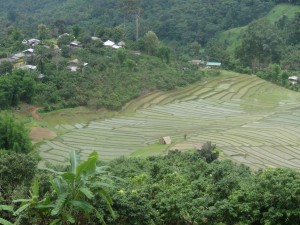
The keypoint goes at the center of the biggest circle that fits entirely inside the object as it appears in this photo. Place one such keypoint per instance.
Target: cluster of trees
(13, 135)
(182, 188)
(271, 50)
(179, 188)
(18, 163)
(264, 43)
(176, 21)
(16, 86)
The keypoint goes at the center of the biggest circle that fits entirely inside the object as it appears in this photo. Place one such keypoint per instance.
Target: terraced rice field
(252, 121)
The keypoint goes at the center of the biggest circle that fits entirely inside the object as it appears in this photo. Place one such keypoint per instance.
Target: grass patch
(282, 10)
(74, 116)
(151, 150)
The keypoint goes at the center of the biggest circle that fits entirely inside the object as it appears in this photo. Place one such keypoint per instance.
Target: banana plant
(34, 206)
(74, 196)
(76, 191)
(7, 208)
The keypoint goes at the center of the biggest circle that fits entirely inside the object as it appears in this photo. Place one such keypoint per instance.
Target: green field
(252, 121)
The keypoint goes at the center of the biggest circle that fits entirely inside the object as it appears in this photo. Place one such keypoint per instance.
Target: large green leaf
(45, 206)
(58, 185)
(106, 196)
(5, 222)
(69, 177)
(54, 222)
(82, 206)
(70, 218)
(102, 169)
(87, 166)
(22, 200)
(21, 209)
(6, 208)
(99, 217)
(108, 200)
(61, 199)
(102, 185)
(74, 160)
(52, 171)
(35, 189)
(87, 192)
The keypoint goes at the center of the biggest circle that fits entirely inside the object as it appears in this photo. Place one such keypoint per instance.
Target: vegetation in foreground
(179, 188)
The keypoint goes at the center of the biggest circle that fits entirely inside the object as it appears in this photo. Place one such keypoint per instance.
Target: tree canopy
(13, 135)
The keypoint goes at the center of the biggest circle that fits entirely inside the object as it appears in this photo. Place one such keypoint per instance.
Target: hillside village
(20, 60)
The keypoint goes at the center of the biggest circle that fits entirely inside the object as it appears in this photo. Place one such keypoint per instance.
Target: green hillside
(232, 38)
(173, 20)
(282, 10)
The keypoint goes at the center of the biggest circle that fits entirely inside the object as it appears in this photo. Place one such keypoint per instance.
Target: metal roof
(213, 64)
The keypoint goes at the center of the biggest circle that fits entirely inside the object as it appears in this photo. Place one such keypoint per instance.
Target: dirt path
(38, 134)
(34, 112)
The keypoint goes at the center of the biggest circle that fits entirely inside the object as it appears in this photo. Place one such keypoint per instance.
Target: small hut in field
(166, 140)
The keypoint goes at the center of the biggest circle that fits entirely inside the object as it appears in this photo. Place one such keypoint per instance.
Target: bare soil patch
(38, 134)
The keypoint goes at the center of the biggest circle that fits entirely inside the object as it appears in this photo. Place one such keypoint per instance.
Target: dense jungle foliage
(179, 188)
(179, 21)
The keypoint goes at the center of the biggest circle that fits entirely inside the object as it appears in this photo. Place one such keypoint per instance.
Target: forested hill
(172, 20)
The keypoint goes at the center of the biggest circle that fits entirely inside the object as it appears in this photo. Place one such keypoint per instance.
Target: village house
(293, 79)
(64, 34)
(33, 42)
(96, 39)
(75, 65)
(17, 56)
(197, 62)
(213, 64)
(121, 44)
(116, 46)
(109, 43)
(30, 67)
(75, 44)
(28, 51)
(25, 42)
(112, 44)
(166, 140)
